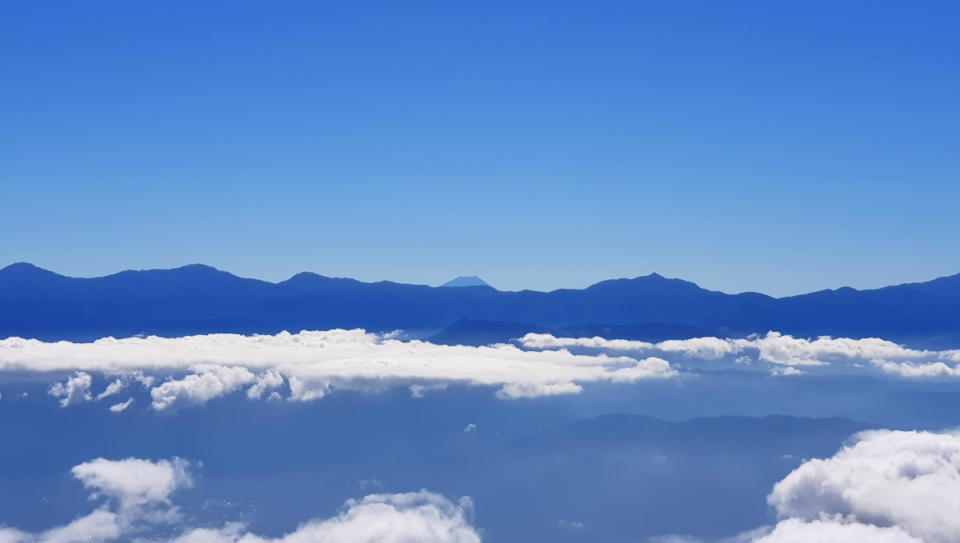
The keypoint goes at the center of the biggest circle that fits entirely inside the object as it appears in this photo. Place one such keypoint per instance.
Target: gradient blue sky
(773, 146)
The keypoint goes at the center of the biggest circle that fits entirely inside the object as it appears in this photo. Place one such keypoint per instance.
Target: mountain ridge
(953, 280)
(196, 298)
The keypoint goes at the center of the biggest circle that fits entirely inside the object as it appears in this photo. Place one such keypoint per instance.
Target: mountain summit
(466, 281)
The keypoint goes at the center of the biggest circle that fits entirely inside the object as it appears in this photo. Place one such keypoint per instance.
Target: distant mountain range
(200, 299)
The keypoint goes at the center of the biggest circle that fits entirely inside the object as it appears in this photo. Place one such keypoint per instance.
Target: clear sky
(772, 146)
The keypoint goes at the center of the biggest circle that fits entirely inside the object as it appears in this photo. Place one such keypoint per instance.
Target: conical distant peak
(466, 281)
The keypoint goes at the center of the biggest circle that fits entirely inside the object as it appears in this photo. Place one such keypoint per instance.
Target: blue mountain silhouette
(200, 299)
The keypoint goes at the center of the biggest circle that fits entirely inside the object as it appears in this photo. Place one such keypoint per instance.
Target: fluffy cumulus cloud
(97, 527)
(379, 518)
(267, 381)
(138, 498)
(778, 349)
(884, 487)
(134, 483)
(919, 369)
(136, 495)
(886, 478)
(309, 365)
(209, 381)
(826, 531)
(797, 531)
(75, 390)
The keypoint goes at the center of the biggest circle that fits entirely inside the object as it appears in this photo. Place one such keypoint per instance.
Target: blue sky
(780, 147)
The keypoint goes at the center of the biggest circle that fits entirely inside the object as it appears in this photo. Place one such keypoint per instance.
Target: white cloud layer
(778, 349)
(138, 494)
(312, 364)
(826, 531)
(309, 365)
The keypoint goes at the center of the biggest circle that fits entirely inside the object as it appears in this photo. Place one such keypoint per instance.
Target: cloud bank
(138, 493)
(308, 365)
(778, 349)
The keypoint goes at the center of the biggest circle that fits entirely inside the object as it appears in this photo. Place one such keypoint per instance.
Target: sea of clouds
(306, 366)
(882, 487)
